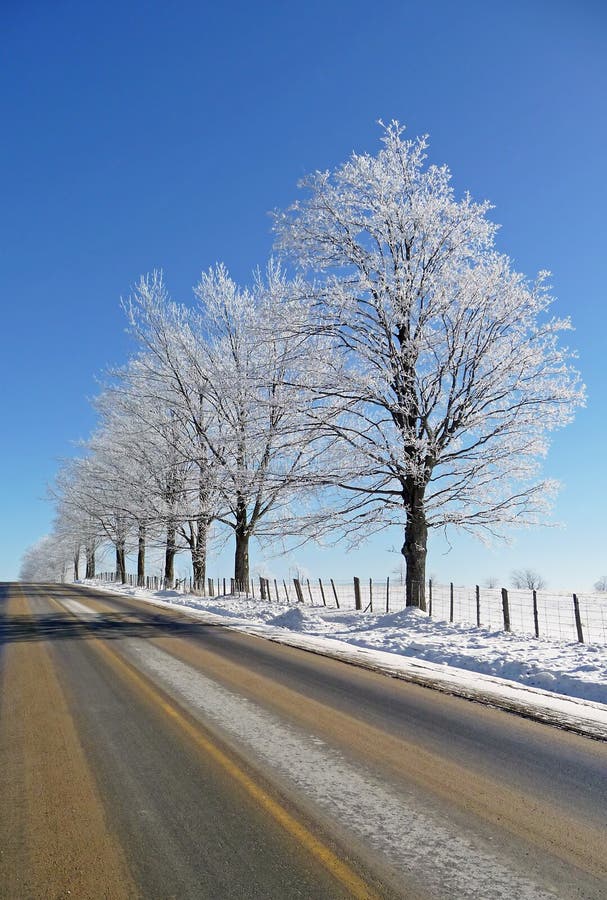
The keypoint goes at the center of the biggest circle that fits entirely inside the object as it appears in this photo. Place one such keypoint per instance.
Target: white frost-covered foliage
(446, 363)
(415, 379)
(48, 560)
(235, 371)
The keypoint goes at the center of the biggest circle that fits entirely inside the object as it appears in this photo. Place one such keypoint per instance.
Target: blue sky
(160, 135)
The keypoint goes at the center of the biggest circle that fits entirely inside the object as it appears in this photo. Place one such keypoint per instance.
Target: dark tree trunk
(90, 562)
(200, 527)
(169, 556)
(199, 552)
(241, 556)
(120, 562)
(199, 567)
(414, 550)
(77, 564)
(141, 556)
(241, 559)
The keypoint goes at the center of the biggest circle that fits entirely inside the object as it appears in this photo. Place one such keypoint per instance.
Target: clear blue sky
(146, 135)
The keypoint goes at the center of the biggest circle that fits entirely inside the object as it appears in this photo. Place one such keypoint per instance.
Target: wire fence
(554, 615)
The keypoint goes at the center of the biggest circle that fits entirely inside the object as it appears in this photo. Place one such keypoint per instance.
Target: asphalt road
(145, 754)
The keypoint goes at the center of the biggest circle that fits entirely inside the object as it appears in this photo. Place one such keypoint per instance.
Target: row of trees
(393, 369)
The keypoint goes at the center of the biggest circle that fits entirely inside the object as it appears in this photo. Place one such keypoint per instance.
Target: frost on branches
(234, 372)
(446, 374)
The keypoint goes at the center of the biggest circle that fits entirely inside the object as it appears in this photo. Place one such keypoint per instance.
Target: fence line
(561, 616)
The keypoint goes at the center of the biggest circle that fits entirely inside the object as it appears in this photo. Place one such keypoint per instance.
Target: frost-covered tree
(123, 442)
(73, 522)
(146, 434)
(527, 578)
(601, 584)
(48, 560)
(73, 528)
(94, 487)
(445, 361)
(234, 371)
(169, 400)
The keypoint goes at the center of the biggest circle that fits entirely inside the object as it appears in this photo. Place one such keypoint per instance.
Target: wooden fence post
(388, 594)
(310, 592)
(335, 593)
(430, 598)
(286, 590)
(298, 590)
(262, 588)
(322, 593)
(578, 621)
(371, 594)
(506, 609)
(451, 601)
(276, 589)
(478, 606)
(536, 622)
(357, 601)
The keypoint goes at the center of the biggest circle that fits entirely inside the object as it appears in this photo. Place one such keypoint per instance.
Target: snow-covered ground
(563, 682)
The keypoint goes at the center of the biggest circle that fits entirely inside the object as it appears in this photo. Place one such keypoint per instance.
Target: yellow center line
(340, 870)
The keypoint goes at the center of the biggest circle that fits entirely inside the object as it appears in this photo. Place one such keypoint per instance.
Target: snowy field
(515, 670)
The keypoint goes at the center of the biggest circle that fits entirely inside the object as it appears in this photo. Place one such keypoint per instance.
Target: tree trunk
(241, 559)
(169, 556)
(90, 562)
(77, 564)
(199, 567)
(199, 553)
(120, 562)
(414, 550)
(141, 556)
(241, 556)
(201, 525)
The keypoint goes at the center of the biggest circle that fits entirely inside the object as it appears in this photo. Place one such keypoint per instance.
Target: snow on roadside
(569, 680)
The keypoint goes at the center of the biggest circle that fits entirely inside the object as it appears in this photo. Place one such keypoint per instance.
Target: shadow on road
(109, 625)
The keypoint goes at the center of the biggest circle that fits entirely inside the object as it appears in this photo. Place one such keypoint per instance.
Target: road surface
(144, 754)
